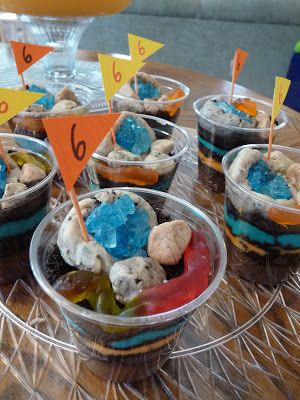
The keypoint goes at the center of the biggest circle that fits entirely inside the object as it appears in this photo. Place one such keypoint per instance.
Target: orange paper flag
(74, 139)
(141, 48)
(240, 57)
(27, 54)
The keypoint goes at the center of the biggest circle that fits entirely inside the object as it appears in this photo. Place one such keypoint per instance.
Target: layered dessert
(59, 100)
(24, 200)
(154, 95)
(223, 126)
(134, 154)
(139, 265)
(262, 213)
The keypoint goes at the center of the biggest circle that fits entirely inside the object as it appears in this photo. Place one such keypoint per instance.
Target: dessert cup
(21, 213)
(123, 348)
(167, 109)
(30, 122)
(216, 139)
(262, 236)
(105, 173)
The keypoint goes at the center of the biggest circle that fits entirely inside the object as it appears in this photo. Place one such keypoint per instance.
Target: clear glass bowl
(31, 124)
(259, 231)
(168, 109)
(105, 173)
(216, 139)
(21, 213)
(128, 348)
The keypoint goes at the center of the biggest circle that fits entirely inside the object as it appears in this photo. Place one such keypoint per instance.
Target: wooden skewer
(74, 199)
(4, 157)
(270, 140)
(23, 82)
(113, 128)
(136, 86)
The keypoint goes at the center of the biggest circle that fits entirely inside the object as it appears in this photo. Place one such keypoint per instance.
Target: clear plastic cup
(216, 139)
(21, 213)
(262, 236)
(128, 348)
(105, 173)
(167, 109)
(30, 123)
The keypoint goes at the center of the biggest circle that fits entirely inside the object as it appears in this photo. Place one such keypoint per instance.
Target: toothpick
(113, 128)
(23, 82)
(74, 199)
(270, 140)
(4, 157)
(136, 86)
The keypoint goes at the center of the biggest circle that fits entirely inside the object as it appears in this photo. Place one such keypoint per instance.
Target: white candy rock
(168, 241)
(88, 256)
(162, 168)
(128, 277)
(63, 105)
(293, 175)
(31, 173)
(13, 188)
(111, 195)
(65, 94)
(122, 155)
(241, 164)
(14, 175)
(162, 146)
(279, 162)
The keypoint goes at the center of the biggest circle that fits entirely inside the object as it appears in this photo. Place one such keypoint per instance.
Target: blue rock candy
(133, 136)
(263, 180)
(231, 108)
(2, 177)
(120, 227)
(47, 101)
(146, 90)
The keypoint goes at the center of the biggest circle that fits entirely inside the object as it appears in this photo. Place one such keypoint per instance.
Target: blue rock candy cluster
(146, 90)
(2, 177)
(120, 227)
(133, 136)
(263, 180)
(231, 108)
(47, 101)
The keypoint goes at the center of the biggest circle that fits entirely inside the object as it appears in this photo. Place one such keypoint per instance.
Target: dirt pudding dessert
(60, 99)
(142, 156)
(128, 293)
(24, 200)
(262, 212)
(158, 96)
(223, 126)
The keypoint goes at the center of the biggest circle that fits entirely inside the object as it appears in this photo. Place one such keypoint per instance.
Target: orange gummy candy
(175, 94)
(284, 217)
(247, 106)
(135, 175)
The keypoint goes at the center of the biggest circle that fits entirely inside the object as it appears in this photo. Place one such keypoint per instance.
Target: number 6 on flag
(141, 48)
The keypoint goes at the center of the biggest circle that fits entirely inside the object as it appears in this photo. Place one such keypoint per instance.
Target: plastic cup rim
(282, 115)
(185, 88)
(43, 181)
(174, 157)
(128, 321)
(253, 195)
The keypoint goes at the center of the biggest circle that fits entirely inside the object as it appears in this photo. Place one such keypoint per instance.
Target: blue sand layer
(133, 136)
(146, 90)
(239, 227)
(263, 180)
(15, 228)
(211, 147)
(233, 110)
(2, 177)
(145, 337)
(47, 101)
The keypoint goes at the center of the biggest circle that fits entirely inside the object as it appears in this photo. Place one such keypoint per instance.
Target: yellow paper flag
(280, 91)
(141, 48)
(116, 72)
(13, 101)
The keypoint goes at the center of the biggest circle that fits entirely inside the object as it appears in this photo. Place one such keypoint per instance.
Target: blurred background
(202, 35)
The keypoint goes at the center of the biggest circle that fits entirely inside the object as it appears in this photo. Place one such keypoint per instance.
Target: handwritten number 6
(117, 75)
(141, 49)
(78, 148)
(27, 57)
(3, 107)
